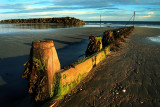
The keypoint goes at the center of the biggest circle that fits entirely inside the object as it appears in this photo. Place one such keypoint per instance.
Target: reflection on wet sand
(43, 26)
(9, 28)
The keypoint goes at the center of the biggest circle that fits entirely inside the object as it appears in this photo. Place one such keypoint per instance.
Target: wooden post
(100, 20)
(134, 17)
(108, 38)
(40, 70)
(95, 45)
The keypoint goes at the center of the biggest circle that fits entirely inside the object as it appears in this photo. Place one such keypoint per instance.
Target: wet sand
(15, 46)
(129, 77)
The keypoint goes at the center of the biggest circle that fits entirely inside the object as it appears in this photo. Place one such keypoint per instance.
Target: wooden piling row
(45, 76)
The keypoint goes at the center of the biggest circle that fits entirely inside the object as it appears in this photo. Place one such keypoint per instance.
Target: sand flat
(18, 43)
(135, 69)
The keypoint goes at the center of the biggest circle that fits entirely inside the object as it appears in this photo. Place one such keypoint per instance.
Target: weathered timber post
(40, 70)
(108, 38)
(94, 45)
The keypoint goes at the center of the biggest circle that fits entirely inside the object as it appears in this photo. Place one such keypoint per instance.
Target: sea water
(155, 39)
(45, 27)
(149, 24)
(32, 27)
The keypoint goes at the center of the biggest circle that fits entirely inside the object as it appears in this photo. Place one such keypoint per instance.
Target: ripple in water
(155, 39)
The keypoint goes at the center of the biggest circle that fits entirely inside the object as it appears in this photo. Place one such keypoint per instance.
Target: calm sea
(149, 24)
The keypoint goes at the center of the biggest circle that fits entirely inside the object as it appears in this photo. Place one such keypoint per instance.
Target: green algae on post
(40, 70)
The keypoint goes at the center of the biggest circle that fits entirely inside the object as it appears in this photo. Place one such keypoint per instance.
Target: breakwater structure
(56, 20)
(46, 79)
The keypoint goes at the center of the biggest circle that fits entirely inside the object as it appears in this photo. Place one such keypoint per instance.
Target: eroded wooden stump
(94, 45)
(40, 70)
(108, 38)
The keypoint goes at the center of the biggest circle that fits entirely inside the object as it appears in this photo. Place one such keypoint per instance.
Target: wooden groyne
(45, 77)
(61, 20)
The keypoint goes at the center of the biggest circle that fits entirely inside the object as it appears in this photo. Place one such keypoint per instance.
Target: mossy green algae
(62, 90)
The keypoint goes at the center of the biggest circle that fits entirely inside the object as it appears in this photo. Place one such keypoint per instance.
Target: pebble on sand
(124, 90)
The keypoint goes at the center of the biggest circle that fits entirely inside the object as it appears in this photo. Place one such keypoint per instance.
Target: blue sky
(111, 10)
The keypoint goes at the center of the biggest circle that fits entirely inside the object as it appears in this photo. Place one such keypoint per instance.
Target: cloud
(14, 5)
(84, 3)
(94, 17)
(109, 18)
(57, 5)
(147, 16)
(52, 13)
(62, 5)
(121, 9)
(150, 13)
(98, 17)
(104, 3)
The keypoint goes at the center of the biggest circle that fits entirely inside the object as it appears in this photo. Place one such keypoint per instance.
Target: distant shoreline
(59, 20)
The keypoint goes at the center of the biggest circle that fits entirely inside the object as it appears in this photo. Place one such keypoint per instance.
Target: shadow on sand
(13, 88)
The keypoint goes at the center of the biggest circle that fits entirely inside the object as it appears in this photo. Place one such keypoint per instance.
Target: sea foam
(155, 39)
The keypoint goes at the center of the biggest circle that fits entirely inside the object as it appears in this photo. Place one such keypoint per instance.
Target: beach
(89, 53)
(129, 77)
(136, 67)
(70, 43)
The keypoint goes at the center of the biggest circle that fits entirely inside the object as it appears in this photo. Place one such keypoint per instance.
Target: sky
(87, 10)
